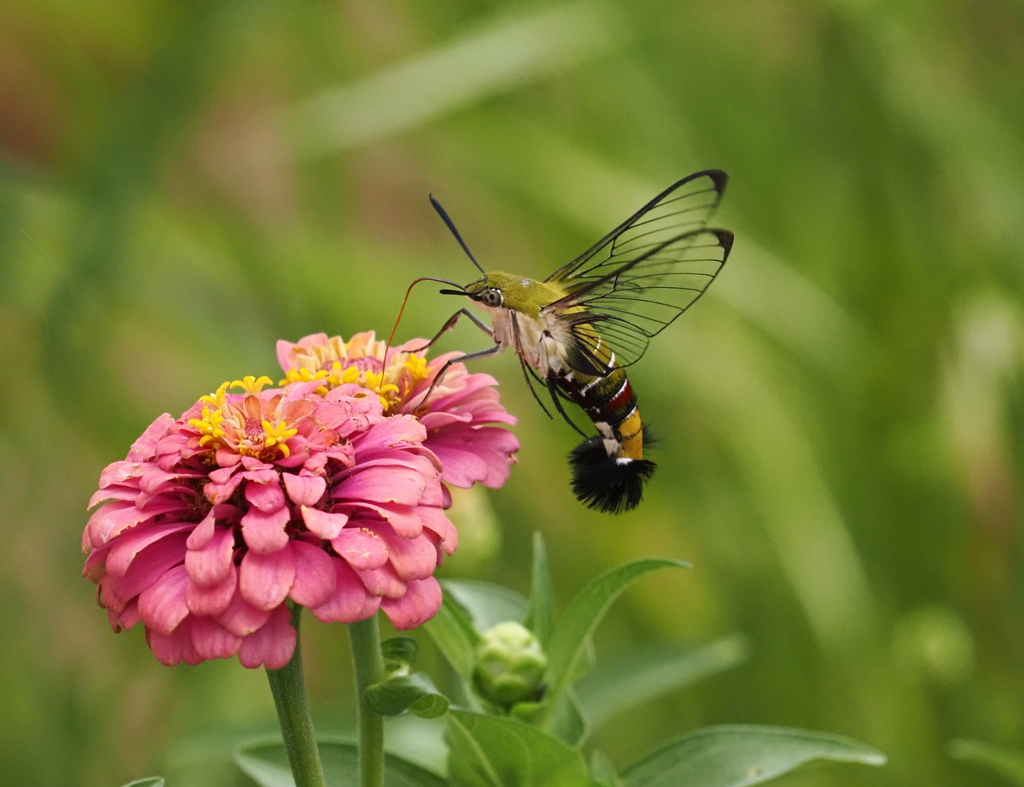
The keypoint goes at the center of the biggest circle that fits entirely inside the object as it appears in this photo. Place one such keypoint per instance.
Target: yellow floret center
(249, 426)
(393, 384)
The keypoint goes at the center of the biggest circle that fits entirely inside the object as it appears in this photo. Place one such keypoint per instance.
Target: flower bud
(509, 664)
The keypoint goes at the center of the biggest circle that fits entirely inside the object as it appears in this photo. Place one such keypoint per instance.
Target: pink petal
(114, 492)
(473, 394)
(412, 558)
(162, 605)
(396, 431)
(212, 600)
(361, 548)
(222, 474)
(154, 479)
(119, 492)
(225, 457)
(148, 567)
(474, 455)
(304, 490)
(267, 497)
(350, 601)
(325, 525)
(334, 416)
(315, 578)
(108, 597)
(212, 641)
(462, 468)
(145, 447)
(273, 645)
(284, 350)
(265, 533)
(436, 421)
(110, 519)
(203, 532)
(241, 618)
(436, 495)
(370, 607)
(114, 619)
(120, 473)
(434, 519)
(211, 564)
(221, 491)
(95, 567)
(382, 581)
(124, 549)
(390, 484)
(258, 472)
(413, 457)
(173, 648)
(130, 616)
(420, 603)
(266, 578)
(404, 519)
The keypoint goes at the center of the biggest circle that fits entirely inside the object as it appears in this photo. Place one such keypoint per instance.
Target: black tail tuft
(602, 483)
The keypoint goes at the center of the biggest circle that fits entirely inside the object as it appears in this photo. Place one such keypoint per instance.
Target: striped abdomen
(611, 404)
(609, 469)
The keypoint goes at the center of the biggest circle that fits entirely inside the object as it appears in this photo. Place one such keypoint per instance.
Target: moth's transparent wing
(683, 207)
(620, 308)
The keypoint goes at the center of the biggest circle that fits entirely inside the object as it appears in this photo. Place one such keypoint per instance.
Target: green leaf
(643, 676)
(490, 60)
(148, 781)
(586, 661)
(568, 722)
(541, 619)
(266, 762)
(399, 654)
(1001, 760)
(736, 756)
(568, 645)
(415, 693)
(487, 604)
(602, 771)
(492, 751)
(453, 633)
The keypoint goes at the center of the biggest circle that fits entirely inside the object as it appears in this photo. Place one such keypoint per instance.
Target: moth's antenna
(451, 226)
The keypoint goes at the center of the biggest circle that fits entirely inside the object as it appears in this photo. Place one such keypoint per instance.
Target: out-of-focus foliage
(999, 759)
(841, 417)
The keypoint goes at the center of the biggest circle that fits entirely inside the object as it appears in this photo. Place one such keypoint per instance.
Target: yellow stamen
(277, 434)
(416, 366)
(252, 385)
(338, 363)
(224, 425)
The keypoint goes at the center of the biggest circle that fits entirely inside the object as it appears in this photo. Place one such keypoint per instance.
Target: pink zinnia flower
(460, 414)
(216, 519)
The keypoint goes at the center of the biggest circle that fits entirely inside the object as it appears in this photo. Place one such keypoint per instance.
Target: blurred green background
(841, 417)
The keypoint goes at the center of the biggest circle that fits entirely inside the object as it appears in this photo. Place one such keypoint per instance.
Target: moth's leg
(451, 324)
(527, 372)
(467, 357)
(553, 390)
(476, 321)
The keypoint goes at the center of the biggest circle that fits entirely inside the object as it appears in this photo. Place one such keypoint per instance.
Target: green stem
(369, 669)
(289, 692)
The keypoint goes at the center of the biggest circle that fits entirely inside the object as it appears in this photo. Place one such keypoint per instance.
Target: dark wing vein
(638, 278)
(683, 207)
(621, 308)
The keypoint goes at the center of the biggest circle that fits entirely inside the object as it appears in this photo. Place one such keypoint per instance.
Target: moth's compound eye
(492, 298)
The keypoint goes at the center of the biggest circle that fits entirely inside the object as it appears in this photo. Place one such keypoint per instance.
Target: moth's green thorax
(520, 294)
